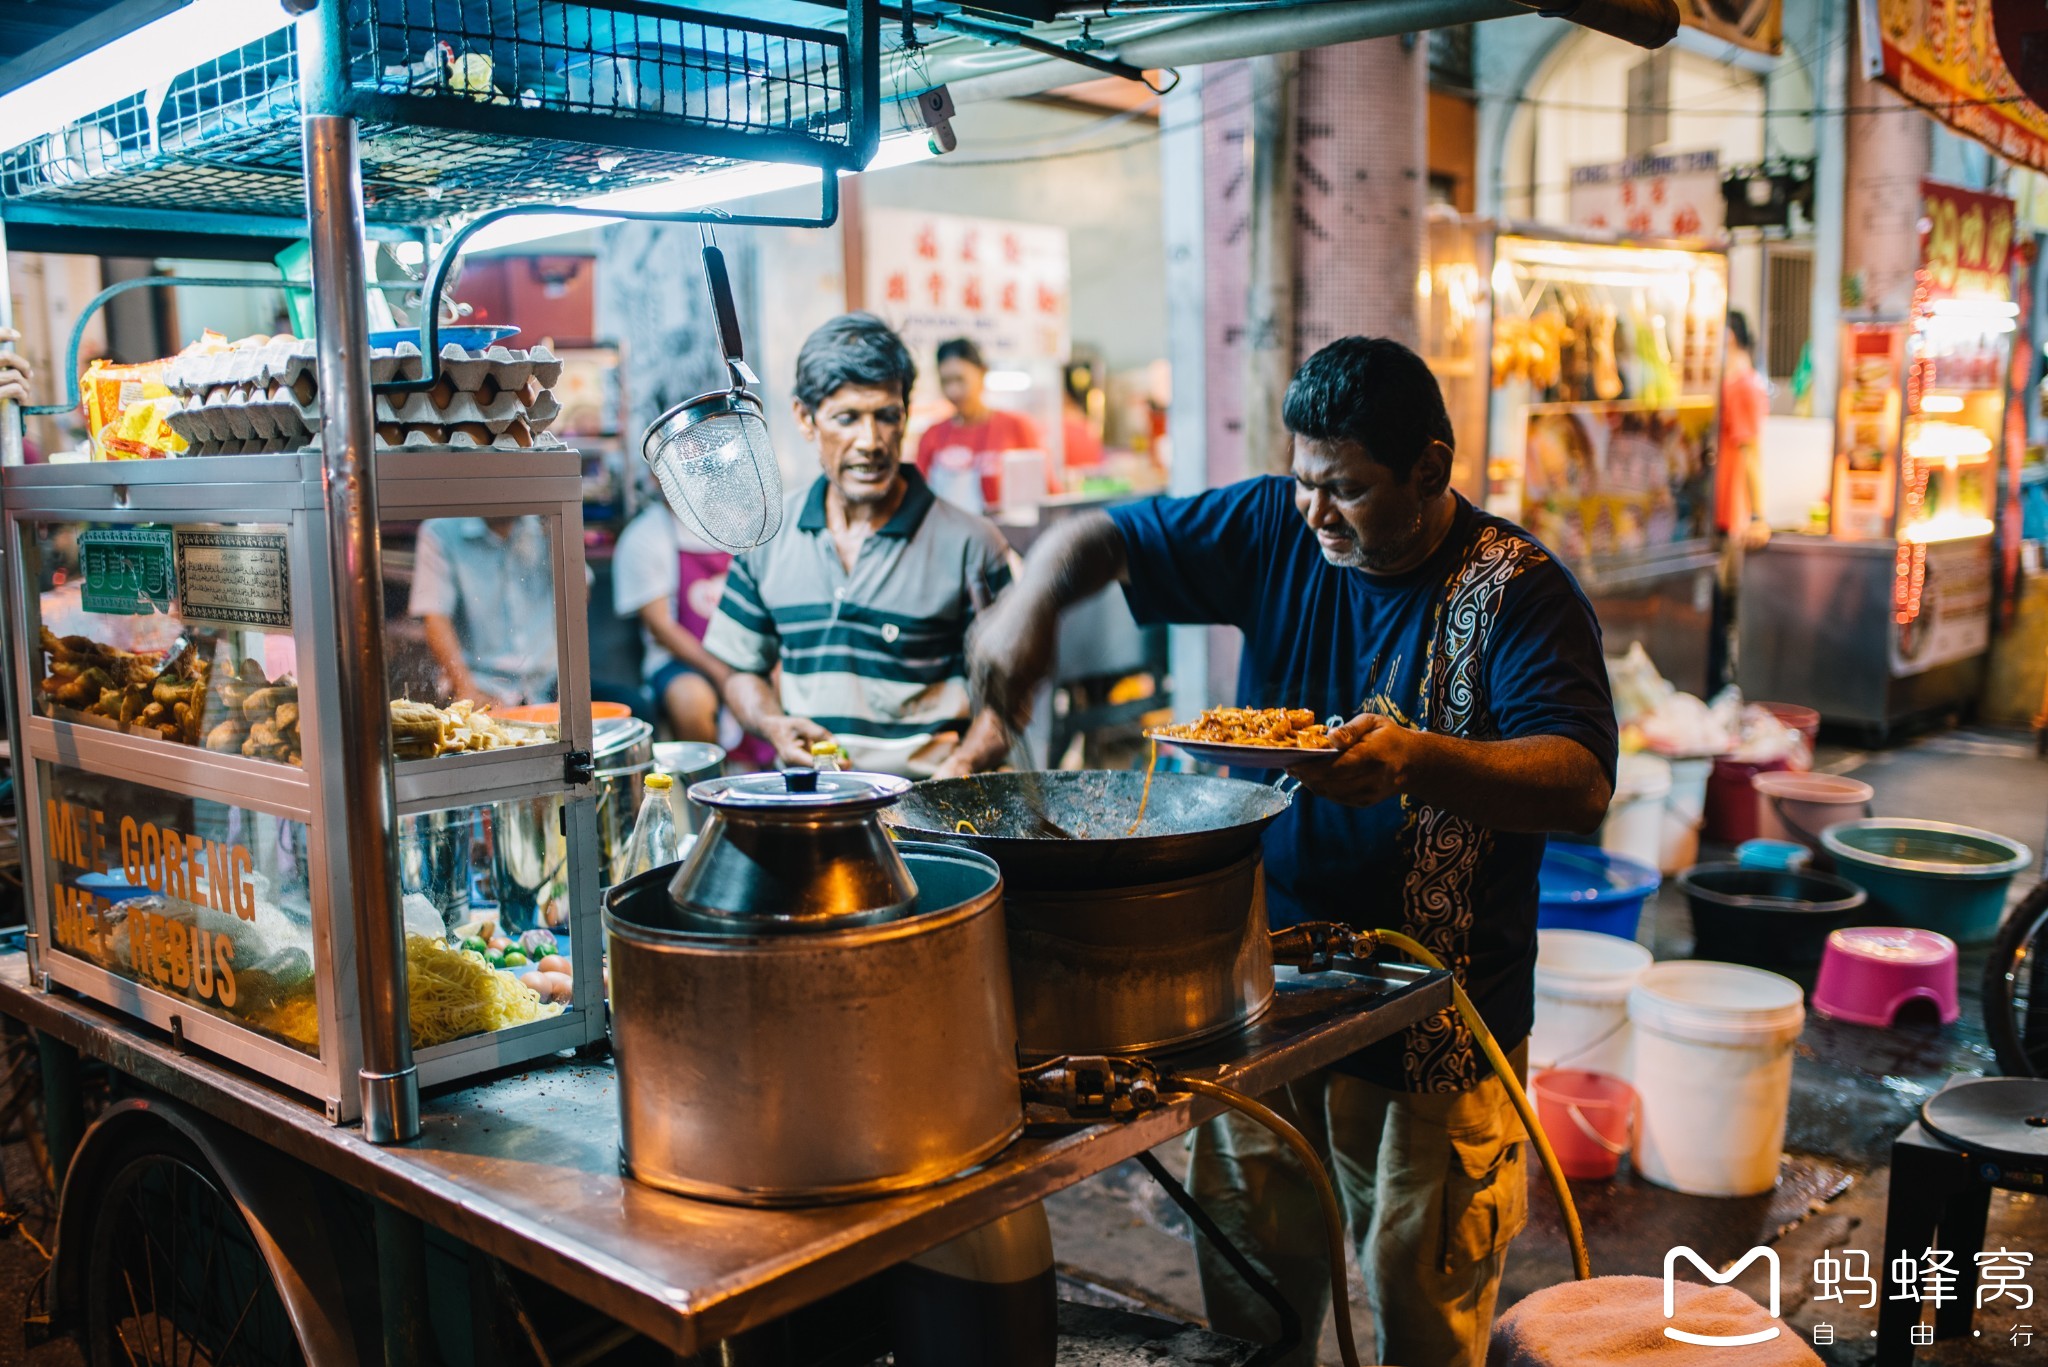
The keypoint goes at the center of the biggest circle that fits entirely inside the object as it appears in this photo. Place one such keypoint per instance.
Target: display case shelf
(463, 109)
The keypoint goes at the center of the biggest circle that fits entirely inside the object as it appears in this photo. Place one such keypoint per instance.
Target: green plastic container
(1929, 875)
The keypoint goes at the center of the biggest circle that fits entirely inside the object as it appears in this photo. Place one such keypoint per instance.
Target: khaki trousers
(1434, 1186)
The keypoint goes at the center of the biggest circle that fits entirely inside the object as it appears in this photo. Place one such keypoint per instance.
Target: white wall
(1574, 118)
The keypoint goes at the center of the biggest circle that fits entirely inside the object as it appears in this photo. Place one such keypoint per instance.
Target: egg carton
(275, 414)
(291, 362)
(269, 447)
(447, 406)
(516, 436)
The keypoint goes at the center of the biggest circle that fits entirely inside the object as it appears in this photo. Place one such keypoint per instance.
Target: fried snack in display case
(176, 659)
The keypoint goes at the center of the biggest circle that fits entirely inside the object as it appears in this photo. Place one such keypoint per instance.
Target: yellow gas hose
(1582, 1267)
(1333, 1214)
(1326, 1195)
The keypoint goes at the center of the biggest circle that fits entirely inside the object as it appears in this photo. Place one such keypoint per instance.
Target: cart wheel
(2016, 989)
(174, 1275)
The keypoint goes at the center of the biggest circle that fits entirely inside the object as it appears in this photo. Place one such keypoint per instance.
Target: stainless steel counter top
(526, 1165)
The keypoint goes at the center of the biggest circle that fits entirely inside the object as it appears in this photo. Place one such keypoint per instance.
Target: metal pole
(10, 411)
(334, 200)
(63, 1102)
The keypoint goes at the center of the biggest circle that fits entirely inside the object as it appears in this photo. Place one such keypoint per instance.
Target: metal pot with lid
(802, 1011)
(792, 851)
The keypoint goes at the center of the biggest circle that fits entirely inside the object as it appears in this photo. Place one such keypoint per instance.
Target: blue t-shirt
(1490, 639)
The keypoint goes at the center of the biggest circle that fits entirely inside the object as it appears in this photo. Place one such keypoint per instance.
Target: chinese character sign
(1945, 57)
(935, 276)
(1966, 241)
(1655, 196)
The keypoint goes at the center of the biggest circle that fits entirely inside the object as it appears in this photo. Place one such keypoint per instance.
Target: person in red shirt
(1738, 490)
(1738, 464)
(973, 440)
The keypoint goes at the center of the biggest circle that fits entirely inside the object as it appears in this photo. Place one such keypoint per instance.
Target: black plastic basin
(1765, 917)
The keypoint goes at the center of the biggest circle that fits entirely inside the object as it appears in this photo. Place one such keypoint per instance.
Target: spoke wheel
(175, 1277)
(2016, 989)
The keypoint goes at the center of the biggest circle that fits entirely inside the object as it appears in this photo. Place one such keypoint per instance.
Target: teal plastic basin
(1929, 875)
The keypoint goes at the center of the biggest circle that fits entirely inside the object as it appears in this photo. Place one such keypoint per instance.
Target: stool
(1867, 973)
(1615, 1321)
(1973, 1135)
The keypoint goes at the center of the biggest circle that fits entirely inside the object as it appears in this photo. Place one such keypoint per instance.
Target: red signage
(1966, 243)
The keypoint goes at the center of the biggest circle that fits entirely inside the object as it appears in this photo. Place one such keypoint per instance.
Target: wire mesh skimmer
(711, 454)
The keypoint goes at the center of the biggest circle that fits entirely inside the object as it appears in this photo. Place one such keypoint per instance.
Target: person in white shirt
(485, 590)
(671, 580)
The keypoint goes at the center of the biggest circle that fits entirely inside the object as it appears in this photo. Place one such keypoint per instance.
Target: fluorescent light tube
(185, 38)
(692, 190)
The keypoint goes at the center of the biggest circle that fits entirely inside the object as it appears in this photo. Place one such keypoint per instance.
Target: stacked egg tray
(261, 400)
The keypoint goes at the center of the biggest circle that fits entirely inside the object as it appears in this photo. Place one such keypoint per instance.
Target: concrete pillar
(1830, 79)
(1886, 155)
(1361, 190)
(1183, 222)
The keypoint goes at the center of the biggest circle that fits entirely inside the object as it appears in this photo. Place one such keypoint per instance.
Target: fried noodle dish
(1286, 728)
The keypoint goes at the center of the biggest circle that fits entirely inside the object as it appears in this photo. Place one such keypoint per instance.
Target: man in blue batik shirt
(1470, 666)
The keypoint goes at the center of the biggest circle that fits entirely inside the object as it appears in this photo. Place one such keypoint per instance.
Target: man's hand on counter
(793, 738)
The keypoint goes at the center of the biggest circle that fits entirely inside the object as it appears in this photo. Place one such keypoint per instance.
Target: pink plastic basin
(1869, 973)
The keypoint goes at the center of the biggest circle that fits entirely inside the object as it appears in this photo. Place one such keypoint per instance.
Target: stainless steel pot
(689, 762)
(801, 850)
(815, 1066)
(1143, 969)
(622, 753)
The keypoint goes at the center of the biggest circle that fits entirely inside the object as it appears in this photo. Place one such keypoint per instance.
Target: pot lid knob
(800, 780)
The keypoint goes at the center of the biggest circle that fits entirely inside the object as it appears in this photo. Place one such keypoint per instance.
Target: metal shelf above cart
(463, 109)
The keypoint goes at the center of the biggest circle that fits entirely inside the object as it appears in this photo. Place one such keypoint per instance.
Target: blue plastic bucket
(1581, 887)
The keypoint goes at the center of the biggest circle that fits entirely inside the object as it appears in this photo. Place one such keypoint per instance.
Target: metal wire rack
(464, 106)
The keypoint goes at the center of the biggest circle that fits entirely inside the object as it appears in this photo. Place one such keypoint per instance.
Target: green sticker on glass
(127, 570)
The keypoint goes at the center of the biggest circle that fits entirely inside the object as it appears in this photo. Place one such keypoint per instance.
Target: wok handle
(1286, 784)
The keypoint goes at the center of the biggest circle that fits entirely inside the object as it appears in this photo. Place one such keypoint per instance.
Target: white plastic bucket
(1799, 806)
(1635, 816)
(1582, 985)
(1684, 809)
(1711, 1059)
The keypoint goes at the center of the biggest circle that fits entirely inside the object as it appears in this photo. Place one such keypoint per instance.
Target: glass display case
(1583, 380)
(175, 648)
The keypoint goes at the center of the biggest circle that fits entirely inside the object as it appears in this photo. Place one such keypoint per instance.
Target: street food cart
(248, 863)
(1889, 614)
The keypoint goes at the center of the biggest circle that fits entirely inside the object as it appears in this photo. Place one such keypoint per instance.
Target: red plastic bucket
(1590, 1119)
(1731, 798)
(1793, 717)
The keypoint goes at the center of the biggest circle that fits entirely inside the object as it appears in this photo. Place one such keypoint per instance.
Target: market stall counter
(689, 1273)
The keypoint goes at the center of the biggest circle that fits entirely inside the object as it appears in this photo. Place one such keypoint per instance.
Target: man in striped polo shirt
(864, 598)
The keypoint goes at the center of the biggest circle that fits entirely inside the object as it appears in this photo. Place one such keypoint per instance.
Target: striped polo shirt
(877, 656)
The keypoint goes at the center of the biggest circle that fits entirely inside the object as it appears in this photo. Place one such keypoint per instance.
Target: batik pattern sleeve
(1196, 560)
(743, 634)
(1547, 674)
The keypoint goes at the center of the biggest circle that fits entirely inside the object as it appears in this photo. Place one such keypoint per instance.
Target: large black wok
(1193, 824)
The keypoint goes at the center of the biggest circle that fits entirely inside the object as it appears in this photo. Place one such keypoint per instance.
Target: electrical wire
(1582, 1267)
(1319, 1177)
